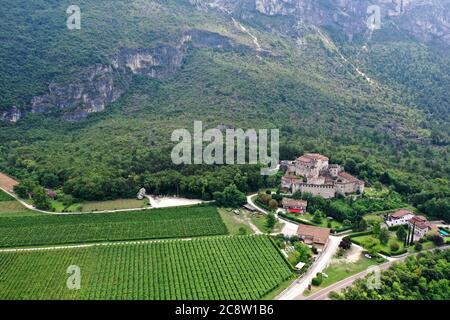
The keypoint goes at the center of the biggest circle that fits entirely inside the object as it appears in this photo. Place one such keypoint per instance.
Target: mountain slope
(138, 70)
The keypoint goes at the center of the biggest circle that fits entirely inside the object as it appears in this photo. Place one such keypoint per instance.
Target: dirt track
(7, 183)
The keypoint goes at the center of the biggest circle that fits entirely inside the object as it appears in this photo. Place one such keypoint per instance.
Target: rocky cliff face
(426, 20)
(90, 91)
(94, 88)
(12, 115)
(97, 86)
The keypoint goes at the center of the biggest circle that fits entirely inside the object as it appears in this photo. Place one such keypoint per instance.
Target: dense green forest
(394, 131)
(421, 277)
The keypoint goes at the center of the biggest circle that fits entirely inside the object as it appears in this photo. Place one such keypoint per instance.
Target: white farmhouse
(400, 217)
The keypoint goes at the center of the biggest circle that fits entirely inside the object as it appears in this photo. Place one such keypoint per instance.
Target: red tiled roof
(400, 213)
(347, 176)
(317, 156)
(314, 234)
(312, 157)
(420, 222)
(294, 203)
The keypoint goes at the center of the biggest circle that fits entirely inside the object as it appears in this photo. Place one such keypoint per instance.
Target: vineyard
(245, 267)
(179, 222)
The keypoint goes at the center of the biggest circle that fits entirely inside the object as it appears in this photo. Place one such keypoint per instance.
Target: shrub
(346, 243)
(418, 246)
(394, 246)
(317, 280)
(437, 240)
(273, 204)
(242, 231)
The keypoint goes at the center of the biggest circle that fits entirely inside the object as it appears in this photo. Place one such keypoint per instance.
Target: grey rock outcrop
(92, 89)
(11, 115)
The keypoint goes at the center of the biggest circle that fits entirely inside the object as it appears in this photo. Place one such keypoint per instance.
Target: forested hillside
(235, 68)
(422, 277)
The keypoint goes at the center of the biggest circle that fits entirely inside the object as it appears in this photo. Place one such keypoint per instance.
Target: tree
(360, 225)
(264, 198)
(384, 236)
(242, 231)
(401, 233)
(347, 223)
(394, 246)
(317, 218)
(317, 280)
(304, 251)
(40, 199)
(376, 229)
(277, 197)
(371, 244)
(273, 204)
(270, 222)
(437, 240)
(25, 188)
(378, 186)
(230, 197)
(297, 195)
(350, 165)
(346, 243)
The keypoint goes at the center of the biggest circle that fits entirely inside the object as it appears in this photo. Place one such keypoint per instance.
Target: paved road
(89, 245)
(289, 228)
(296, 289)
(338, 286)
(30, 207)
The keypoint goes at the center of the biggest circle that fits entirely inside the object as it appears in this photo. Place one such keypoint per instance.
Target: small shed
(249, 208)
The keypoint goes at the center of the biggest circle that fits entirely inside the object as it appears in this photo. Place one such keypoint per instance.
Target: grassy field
(309, 217)
(384, 247)
(4, 196)
(113, 205)
(93, 206)
(339, 270)
(260, 221)
(179, 222)
(247, 267)
(373, 218)
(235, 224)
(11, 207)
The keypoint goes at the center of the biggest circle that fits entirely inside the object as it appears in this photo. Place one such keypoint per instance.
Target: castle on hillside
(313, 174)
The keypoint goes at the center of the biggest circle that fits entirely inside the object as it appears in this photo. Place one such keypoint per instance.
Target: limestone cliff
(95, 87)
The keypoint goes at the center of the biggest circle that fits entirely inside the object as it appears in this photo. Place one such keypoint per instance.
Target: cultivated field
(7, 183)
(112, 205)
(246, 267)
(180, 222)
(5, 197)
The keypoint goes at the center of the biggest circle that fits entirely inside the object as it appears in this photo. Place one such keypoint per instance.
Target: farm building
(294, 206)
(315, 236)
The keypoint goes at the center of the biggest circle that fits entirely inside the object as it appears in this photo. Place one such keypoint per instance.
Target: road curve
(296, 289)
(30, 207)
(338, 286)
(289, 228)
